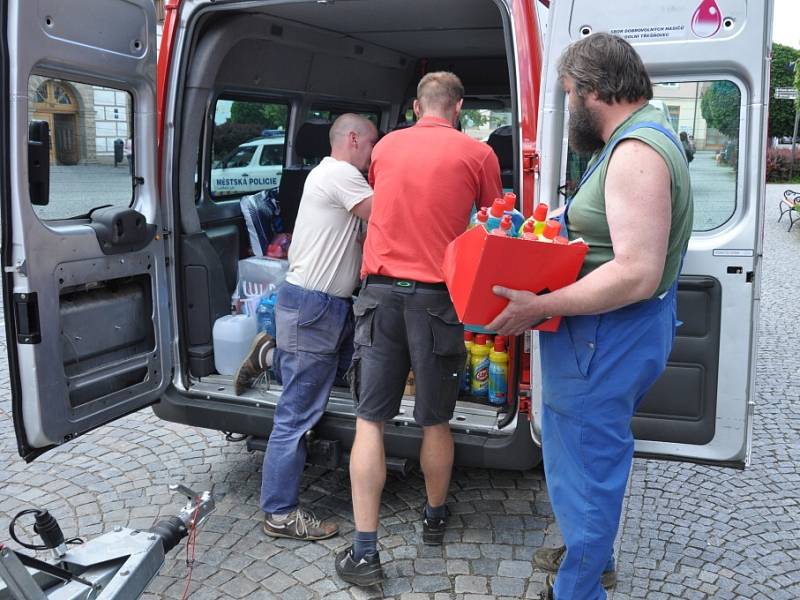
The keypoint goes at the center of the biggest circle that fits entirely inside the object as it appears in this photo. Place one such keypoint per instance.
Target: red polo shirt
(426, 179)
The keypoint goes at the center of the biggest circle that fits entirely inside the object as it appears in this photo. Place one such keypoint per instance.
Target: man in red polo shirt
(426, 180)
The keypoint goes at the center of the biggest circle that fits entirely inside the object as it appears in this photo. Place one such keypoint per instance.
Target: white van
(111, 311)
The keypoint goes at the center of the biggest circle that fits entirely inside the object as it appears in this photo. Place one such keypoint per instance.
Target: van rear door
(707, 60)
(84, 287)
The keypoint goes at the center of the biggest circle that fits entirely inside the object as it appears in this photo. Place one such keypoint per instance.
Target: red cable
(192, 541)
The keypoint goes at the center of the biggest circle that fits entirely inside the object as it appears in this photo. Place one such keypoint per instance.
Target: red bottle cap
(561, 240)
(498, 207)
(527, 227)
(499, 344)
(551, 229)
(510, 199)
(540, 212)
(480, 339)
(505, 223)
(468, 336)
(483, 215)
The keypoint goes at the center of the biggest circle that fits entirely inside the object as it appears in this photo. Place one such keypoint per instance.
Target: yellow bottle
(479, 384)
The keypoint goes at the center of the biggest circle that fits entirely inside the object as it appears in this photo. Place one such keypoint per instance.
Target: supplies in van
(476, 261)
(262, 216)
(257, 276)
(233, 335)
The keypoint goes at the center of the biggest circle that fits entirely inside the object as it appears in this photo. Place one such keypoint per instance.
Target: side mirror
(39, 162)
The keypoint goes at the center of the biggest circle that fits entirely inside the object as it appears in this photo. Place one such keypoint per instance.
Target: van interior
(301, 64)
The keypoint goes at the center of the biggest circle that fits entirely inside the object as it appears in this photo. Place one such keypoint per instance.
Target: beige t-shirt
(325, 254)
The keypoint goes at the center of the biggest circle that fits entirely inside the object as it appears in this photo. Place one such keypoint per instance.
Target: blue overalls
(596, 369)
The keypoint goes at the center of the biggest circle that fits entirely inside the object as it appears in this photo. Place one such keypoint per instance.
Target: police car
(251, 167)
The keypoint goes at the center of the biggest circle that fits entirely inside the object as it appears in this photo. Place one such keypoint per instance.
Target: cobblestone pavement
(689, 531)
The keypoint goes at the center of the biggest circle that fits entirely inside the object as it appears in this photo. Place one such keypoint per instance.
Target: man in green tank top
(634, 209)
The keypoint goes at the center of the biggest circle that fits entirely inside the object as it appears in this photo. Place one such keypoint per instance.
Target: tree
(781, 112)
(474, 117)
(268, 116)
(720, 107)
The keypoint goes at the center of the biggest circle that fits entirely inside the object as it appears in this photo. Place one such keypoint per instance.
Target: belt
(404, 284)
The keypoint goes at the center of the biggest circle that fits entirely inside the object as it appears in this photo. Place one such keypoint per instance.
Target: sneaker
(300, 524)
(251, 367)
(549, 559)
(433, 530)
(365, 572)
(547, 592)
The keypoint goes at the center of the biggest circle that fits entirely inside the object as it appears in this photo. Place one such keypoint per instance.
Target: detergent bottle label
(498, 383)
(480, 376)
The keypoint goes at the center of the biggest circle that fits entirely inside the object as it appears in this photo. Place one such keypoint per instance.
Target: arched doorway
(56, 103)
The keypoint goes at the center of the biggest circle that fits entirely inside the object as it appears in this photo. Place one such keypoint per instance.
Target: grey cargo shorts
(402, 325)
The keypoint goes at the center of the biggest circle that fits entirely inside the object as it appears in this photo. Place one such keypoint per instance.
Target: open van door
(83, 251)
(708, 62)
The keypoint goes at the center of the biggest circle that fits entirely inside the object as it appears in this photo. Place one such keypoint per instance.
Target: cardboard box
(475, 261)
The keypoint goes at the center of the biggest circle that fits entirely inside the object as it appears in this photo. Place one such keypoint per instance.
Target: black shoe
(365, 572)
(433, 529)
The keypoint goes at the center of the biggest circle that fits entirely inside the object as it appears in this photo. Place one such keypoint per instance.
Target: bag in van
(262, 216)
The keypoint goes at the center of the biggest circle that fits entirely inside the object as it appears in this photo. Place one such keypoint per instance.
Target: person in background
(687, 147)
(634, 209)
(427, 179)
(314, 321)
(129, 154)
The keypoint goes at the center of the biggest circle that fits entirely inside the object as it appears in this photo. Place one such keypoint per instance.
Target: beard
(584, 136)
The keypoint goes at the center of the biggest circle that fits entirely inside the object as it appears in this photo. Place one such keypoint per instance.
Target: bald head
(352, 138)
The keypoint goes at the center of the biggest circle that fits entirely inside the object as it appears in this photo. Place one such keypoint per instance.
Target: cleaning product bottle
(498, 372)
(478, 217)
(504, 229)
(495, 215)
(468, 343)
(265, 313)
(517, 218)
(526, 233)
(539, 218)
(551, 231)
(479, 386)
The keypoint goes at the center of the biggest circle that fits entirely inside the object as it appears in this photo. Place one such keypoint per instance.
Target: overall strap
(607, 150)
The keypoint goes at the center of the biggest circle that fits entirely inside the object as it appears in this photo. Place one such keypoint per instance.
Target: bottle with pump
(495, 215)
(478, 218)
(538, 219)
(468, 344)
(479, 385)
(527, 231)
(498, 373)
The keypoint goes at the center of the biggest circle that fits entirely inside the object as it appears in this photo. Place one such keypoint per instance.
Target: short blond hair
(440, 90)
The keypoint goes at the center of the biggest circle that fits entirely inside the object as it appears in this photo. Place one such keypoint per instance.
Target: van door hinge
(530, 161)
(20, 267)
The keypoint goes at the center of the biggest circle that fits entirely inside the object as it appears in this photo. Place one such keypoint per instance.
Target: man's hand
(524, 311)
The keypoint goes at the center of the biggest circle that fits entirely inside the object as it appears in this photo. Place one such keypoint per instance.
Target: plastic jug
(233, 335)
(498, 373)
(480, 367)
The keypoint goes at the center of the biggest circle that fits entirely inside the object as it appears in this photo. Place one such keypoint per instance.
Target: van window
(90, 145)
(248, 146)
(708, 113)
(479, 123)
(331, 114)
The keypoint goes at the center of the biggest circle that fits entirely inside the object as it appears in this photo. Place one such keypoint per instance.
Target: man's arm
(363, 209)
(491, 186)
(639, 212)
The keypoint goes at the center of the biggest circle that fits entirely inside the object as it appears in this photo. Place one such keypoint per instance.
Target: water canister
(233, 335)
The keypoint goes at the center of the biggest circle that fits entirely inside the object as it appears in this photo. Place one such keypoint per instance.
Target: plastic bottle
(505, 228)
(479, 384)
(526, 233)
(468, 344)
(495, 214)
(498, 373)
(539, 218)
(265, 313)
(517, 218)
(479, 218)
(551, 231)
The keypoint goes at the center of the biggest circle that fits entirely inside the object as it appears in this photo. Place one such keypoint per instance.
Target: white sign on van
(651, 33)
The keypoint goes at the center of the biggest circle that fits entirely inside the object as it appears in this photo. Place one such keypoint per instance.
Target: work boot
(300, 524)
(549, 559)
(365, 572)
(254, 364)
(433, 529)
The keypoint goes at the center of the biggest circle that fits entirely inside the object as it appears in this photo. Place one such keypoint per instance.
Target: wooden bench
(790, 204)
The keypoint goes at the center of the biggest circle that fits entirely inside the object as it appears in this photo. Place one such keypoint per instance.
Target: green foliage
(229, 135)
(781, 112)
(778, 161)
(268, 116)
(474, 117)
(720, 107)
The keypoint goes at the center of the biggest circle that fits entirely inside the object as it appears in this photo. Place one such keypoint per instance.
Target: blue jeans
(596, 369)
(314, 345)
